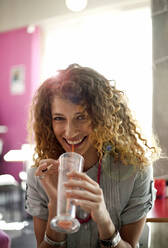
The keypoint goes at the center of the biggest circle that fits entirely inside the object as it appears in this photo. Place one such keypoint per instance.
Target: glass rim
(74, 153)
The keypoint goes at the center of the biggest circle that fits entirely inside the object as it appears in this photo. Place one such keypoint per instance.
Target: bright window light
(117, 44)
(9, 226)
(24, 154)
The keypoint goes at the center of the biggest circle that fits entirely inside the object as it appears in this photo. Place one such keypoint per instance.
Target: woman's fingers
(82, 181)
(47, 167)
(42, 167)
(88, 205)
(84, 195)
(90, 189)
(85, 185)
(44, 163)
(90, 198)
(81, 176)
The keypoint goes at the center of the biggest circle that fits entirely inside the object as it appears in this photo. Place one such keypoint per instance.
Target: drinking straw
(73, 148)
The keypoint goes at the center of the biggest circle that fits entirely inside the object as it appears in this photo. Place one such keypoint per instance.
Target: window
(116, 43)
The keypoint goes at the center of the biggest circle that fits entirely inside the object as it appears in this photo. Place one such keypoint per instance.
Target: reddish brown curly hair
(112, 120)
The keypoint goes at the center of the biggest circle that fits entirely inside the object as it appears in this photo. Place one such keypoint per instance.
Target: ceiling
(19, 13)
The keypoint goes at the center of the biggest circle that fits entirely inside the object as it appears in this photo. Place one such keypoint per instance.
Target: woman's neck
(91, 158)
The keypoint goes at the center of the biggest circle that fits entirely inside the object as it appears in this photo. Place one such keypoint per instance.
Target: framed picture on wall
(17, 80)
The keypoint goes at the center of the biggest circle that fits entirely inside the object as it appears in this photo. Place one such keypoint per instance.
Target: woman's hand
(88, 195)
(48, 174)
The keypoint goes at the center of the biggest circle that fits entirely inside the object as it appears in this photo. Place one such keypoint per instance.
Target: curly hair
(112, 121)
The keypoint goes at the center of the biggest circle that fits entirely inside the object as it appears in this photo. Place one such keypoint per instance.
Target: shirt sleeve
(142, 197)
(36, 201)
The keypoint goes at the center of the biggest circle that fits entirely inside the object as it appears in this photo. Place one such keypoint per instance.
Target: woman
(80, 108)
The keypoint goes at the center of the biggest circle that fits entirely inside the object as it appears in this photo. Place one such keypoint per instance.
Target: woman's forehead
(60, 104)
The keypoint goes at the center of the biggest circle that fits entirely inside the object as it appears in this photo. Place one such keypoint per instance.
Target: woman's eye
(81, 117)
(58, 118)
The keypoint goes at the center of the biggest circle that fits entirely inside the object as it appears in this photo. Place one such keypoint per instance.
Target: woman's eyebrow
(79, 113)
(58, 114)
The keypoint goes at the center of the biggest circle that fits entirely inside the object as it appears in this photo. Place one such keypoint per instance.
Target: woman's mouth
(75, 142)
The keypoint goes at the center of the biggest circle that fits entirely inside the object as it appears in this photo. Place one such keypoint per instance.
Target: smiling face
(72, 126)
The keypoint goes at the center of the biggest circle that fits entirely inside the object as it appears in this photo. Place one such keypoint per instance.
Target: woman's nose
(70, 129)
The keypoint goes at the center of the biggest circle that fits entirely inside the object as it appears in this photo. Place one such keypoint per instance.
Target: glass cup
(66, 221)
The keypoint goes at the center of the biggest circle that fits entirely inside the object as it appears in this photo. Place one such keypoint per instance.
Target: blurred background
(126, 40)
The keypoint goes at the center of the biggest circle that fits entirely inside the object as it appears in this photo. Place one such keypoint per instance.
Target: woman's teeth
(74, 142)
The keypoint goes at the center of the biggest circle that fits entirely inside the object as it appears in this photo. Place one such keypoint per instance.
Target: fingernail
(50, 166)
(68, 191)
(75, 202)
(68, 173)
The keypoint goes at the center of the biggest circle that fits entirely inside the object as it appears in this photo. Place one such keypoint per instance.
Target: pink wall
(17, 47)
